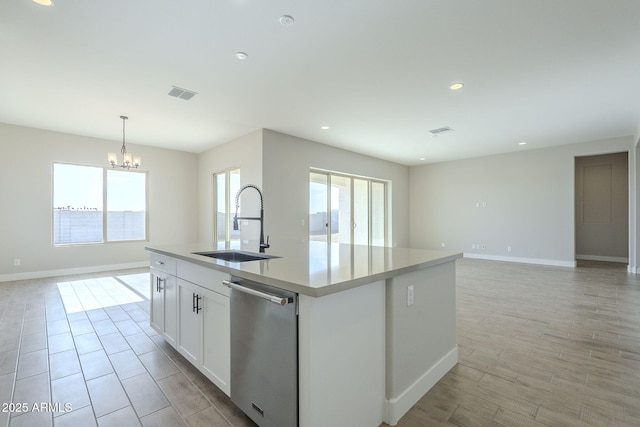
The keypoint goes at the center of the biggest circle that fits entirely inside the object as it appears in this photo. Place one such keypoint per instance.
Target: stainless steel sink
(235, 256)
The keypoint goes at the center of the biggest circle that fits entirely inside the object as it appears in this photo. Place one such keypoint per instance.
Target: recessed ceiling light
(286, 20)
(522, 143)
(456, 86)
(324, 127)
(423, 158)
(241, 55)
(44, 2)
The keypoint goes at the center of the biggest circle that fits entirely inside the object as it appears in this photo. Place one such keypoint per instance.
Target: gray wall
(286, 163)
(522, 200)
(244, 153)
(279, 164)
(26, 195)
(525, 198)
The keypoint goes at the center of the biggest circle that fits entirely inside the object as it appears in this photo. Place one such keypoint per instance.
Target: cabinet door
(170, 309)
(157, 302)
(215, 338)
(189, 321)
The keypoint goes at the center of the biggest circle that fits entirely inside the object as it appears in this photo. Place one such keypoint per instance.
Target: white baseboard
(398, 406)
(624, 260)
(553, 262)
(71, 271)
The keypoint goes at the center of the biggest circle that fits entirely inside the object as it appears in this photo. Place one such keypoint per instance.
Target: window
(225, 187)
(347, 209)
(126, 205)
(96, 205)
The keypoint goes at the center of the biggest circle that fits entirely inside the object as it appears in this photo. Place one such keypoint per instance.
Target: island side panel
(341, 350)
(421, 338)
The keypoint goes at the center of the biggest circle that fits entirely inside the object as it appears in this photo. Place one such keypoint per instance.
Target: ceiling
(377, 72)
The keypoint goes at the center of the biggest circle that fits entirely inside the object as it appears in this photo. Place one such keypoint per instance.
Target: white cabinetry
(216, 346)
(203, 321)
(164, 297)
(189, 321)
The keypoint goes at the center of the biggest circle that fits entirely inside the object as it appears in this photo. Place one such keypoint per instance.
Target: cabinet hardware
(159, 283)
(195, 299)
(198, 308)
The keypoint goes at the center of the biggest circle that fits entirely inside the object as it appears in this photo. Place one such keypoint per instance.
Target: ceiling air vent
(185, 94)
(440, 131)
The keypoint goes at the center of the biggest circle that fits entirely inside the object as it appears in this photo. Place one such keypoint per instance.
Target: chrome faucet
(263, 245)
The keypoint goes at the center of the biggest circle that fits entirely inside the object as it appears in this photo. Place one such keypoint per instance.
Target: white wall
(26, 195)
(244, 152)
(286, 163)
(529, 198)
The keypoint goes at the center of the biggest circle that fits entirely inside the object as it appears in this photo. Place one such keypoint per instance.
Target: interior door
(602, 207)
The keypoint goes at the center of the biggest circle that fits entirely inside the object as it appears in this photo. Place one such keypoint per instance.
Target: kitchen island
(376, 325)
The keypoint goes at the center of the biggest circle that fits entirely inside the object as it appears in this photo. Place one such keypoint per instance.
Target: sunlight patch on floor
(138, 282)
(91, 294)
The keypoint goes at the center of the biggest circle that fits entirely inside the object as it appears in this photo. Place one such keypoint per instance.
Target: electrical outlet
(484, 246)
(442, 244)
(16, 262)
(410, 295)
(508, 248)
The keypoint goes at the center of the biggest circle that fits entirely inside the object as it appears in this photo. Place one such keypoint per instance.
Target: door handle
(196, 303)
(272, 298)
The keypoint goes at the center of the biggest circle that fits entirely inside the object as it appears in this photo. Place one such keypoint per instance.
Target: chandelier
(128, 160)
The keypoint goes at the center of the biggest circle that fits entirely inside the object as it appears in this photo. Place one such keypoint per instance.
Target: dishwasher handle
(272, 298)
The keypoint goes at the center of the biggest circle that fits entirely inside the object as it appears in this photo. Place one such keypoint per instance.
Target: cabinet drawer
(208, 278)
(164, 263)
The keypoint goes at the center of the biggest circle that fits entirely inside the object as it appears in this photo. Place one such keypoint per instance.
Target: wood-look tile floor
(538, 346)
(78, 351)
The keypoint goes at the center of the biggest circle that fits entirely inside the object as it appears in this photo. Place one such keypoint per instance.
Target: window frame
(229, 205)
(386, 187)
(105, 207)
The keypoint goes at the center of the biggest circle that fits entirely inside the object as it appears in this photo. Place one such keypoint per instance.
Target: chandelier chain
(123, 150)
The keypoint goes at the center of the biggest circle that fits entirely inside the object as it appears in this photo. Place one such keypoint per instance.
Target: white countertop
(314, 268)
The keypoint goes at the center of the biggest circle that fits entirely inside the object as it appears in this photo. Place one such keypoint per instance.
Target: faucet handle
(266, 244)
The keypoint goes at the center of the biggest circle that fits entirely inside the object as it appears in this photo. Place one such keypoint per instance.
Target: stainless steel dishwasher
(264, 352)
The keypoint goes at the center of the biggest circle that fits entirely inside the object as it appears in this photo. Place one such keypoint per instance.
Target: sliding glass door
(347, 209)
